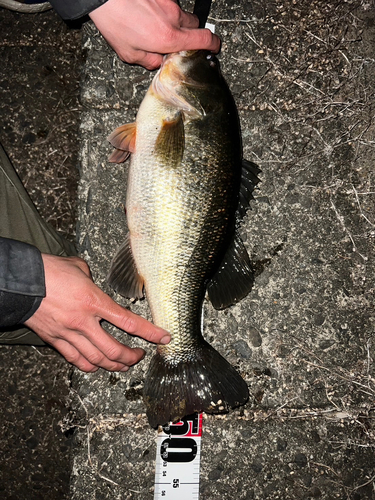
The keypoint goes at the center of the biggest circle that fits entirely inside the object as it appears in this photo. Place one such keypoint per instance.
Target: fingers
(188, 35)
(97, 350)
(148, 60)
(71, 354)
(109, 310)
(151, 61)
(69, 318)
(182, 39)
(141, 31)
(103, 350)
(188, 20)
(198, 39)
(136, 325)
(98, 347)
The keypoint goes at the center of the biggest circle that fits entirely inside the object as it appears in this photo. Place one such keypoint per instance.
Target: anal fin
(123, 275)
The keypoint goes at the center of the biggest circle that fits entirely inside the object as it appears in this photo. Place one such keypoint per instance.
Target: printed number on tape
(178, 460)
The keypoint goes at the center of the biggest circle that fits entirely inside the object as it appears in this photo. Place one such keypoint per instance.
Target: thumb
(196, 39)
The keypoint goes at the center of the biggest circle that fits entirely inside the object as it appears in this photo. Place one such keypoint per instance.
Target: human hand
(69, 319)
(142, 31)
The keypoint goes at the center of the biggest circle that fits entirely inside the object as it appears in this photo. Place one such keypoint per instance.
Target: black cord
(202, 9)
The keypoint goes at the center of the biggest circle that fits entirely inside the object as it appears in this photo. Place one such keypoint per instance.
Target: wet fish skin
(182, 200)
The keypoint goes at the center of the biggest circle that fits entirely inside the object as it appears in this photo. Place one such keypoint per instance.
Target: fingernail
(166, 339)
(125, 369)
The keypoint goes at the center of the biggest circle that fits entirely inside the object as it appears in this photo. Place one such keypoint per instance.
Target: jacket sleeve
(74, 9)
(22, 282)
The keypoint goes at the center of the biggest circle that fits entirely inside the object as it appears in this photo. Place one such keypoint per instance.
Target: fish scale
(182, 231)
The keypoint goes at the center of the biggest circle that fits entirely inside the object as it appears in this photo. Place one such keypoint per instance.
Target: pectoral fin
(234, 278)
(123, 139)
(171, 141)
(123, 275)
(118, 156)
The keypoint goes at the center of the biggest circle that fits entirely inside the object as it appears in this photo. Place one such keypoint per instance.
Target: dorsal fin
(249, 180)
(235, 277)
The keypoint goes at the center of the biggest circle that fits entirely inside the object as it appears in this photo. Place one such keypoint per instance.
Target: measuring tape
(178, 448)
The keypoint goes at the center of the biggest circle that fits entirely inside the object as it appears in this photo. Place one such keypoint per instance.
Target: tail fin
(205, 382)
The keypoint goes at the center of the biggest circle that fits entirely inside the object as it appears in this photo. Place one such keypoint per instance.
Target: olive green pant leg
(20, 220)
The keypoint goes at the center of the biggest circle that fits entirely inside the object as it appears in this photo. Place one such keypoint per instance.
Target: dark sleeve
(74, 9)
(22, 283)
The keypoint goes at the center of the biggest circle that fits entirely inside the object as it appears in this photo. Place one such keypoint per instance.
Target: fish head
(190, 81)
(197, 68)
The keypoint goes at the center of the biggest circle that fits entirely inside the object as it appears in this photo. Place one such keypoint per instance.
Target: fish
(188, 190)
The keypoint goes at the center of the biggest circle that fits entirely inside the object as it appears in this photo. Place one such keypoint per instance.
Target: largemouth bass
(188, 190)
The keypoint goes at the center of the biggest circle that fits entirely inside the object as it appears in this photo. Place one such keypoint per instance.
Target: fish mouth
(172, 75)
(175, 68)
(183, 55)
(189, 53)
(169, 70)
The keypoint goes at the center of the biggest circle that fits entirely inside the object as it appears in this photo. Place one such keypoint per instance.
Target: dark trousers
(20, 220)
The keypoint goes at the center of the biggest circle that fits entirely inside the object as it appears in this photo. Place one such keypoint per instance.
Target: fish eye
(212, 60)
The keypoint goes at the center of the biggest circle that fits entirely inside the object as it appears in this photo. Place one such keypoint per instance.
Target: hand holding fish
(69, 319)
(142, 31)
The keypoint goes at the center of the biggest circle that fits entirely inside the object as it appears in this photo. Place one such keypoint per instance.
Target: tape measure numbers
(178, 459)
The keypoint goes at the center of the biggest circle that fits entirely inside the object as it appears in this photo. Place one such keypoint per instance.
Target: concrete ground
(302, 76)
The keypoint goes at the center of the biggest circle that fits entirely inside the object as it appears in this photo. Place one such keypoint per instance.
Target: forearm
(22, 282)
(74, 9)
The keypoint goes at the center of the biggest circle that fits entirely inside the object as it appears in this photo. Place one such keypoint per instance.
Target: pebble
(241, 347)
(254, 337)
